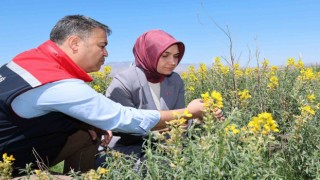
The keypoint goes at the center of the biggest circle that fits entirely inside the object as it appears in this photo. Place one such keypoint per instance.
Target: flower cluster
(273, 82)
(291, 63)
(7, 159)
(179, 118)
(263, 123)
(101, 79)
(100, 173)
(6, 166)
(232, 128)
(203, 70)
(219, 67)
(237, 70)
(42, 175)
(307, 75)
(244, 95)
(305, 110)
(213, 100)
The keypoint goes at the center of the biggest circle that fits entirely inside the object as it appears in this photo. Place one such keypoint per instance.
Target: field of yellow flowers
(271, 129)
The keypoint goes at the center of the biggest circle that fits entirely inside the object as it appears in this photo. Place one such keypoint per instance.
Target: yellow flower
(177, 122)
(248, 71)
(107, 70)
(116, 154)
(37, 171)
(244, 95)
(263, 124)
(98, 75)
(232, 128)
(274, 68)
(203, 68)
(202, 71)
(214, 100)
(182, 121)
(238, 73)
(184, 75)
(265, 63)
(273, 82)
(235, 131)
(102, 171)
(274, 127)
(193, 77)
(217, 61)
(299, 64)
(205, 96)
(236, 66)
(308, 110)
(191, 69)
(186, 113)
(97, 88)
(216, 96)
(224, 69)
(7, 159)
(311, 97)
(290, 62)
(91, 174)
(191, 88)
(307, 74)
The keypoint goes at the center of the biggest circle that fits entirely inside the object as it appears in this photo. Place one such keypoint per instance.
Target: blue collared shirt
(77, 99)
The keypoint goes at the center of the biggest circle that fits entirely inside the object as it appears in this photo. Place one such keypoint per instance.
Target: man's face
(92, 51)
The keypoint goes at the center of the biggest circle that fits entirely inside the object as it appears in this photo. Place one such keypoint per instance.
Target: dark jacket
(44, 135)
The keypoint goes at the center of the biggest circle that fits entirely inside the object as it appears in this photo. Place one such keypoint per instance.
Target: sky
(274, 30)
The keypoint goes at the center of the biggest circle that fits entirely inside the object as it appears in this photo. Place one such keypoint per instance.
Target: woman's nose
(173, 60)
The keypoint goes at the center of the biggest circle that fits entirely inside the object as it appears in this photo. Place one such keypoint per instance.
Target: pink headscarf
(148, 49)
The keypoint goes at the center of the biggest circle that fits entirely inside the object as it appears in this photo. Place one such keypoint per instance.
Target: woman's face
(168, 60)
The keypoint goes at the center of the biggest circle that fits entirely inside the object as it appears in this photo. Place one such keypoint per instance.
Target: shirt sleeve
(77, 99)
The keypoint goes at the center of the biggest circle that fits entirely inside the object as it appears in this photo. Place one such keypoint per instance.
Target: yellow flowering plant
(271, 130)
(6, 168)
(101, 79)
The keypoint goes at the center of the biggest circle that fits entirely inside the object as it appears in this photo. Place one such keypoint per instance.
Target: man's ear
(74, 42)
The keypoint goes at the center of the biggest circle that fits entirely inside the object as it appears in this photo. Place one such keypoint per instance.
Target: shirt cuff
(150, 121)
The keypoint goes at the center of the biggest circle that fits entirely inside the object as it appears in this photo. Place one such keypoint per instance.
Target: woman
(149, 84)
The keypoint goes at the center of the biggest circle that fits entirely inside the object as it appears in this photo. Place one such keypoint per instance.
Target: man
(47, 108)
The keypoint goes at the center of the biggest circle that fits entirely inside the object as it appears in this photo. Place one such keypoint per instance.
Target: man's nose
(105, 53)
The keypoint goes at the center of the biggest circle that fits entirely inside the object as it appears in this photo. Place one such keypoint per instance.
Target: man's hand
(105, 140)
(93, 134)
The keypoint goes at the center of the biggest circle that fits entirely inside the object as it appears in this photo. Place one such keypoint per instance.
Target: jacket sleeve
(120, 92)
(180, 103)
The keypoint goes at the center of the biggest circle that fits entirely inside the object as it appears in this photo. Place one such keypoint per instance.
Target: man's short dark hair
(75, 25)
